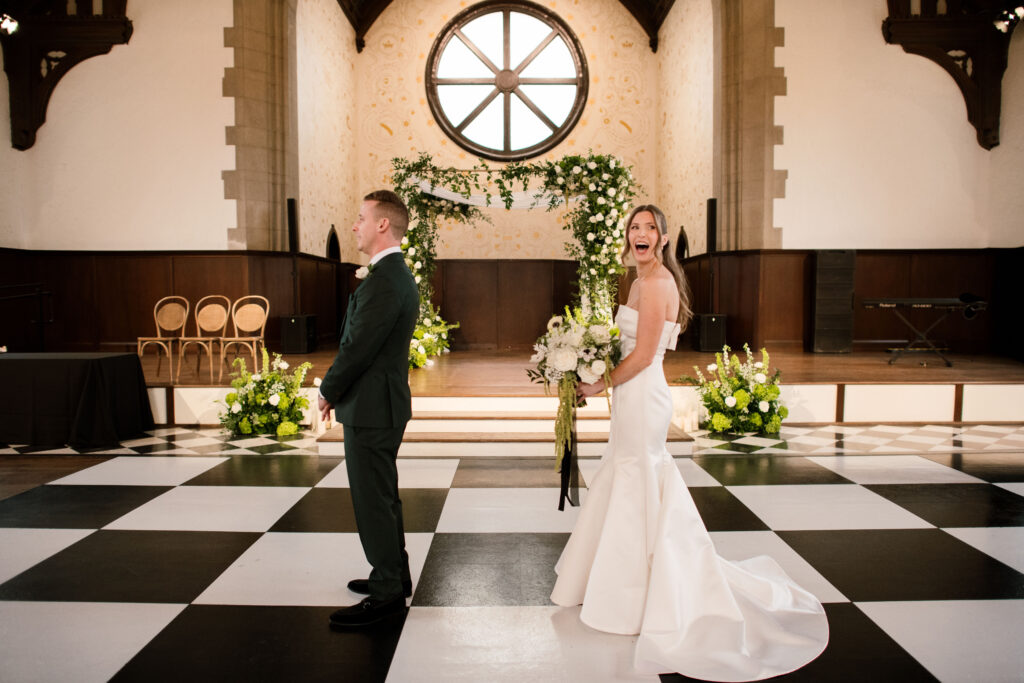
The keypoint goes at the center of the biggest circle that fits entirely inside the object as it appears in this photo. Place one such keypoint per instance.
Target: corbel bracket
(44, 48)
(965, 42)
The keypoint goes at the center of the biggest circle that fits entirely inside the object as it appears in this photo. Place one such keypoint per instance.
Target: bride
(640, 560)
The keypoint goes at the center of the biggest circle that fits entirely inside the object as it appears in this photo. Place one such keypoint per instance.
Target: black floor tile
(191, 436)
(271, 448)
(506, 473)
(904, 564)
(994, 467)
(489, 569)
(957, 505)
(722, 511)
(858, 650)
(267, 470)
(234, 643)
(741, 470)
(214, 448)
(131, 566)
(329, 510)
(155, 448)
(74, 507)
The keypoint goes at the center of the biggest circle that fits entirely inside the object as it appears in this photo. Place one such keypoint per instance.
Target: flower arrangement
(430, 338)
(740, 396)
(602, 184)
(266, 402)
(578, 347)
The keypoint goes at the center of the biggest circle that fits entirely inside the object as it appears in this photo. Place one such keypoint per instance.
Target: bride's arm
(654, 298)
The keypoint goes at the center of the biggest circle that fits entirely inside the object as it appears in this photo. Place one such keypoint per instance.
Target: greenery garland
(602, 183)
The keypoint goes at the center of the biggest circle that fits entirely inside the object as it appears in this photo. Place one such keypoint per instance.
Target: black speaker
(832, 318)
(708, 332)
(298, 334)
(293, 227)
(712, 225)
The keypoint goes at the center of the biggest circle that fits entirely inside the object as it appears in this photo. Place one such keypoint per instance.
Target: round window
(506, 80)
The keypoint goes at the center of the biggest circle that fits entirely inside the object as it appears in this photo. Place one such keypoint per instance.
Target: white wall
(133, 147)
(877, 144)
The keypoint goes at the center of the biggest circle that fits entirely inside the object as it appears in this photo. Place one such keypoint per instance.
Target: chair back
(212, 313)
(249, 315)
(170, 315)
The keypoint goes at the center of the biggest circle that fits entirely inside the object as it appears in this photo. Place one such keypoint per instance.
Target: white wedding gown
(641, 562)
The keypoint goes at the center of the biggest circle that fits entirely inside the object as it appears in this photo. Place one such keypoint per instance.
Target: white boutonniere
(362, 272)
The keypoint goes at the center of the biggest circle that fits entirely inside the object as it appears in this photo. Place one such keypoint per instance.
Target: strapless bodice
(627, 318)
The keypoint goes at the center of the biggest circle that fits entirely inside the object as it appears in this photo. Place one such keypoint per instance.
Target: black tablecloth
(84, 400)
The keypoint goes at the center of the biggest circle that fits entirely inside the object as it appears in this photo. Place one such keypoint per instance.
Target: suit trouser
(370, 455)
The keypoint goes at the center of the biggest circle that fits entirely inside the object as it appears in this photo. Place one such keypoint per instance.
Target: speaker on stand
(709, 332)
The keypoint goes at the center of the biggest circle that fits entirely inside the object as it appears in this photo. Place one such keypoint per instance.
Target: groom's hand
(325, 408)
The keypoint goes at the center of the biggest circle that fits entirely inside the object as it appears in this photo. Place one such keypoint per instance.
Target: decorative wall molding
(48, 43)
(966, 43)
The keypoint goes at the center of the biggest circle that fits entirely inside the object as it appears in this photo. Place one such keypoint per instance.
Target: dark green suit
(368, 385)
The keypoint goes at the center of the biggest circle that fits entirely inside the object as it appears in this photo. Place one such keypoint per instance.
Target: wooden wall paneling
(197, 275)
(525, 302)
(1007, 304)
(307, 281)
(327, 302)
(127, 286)
(737, 276)
(270, 275)
(783, 304)
(18, 332)
(564, 285)
(879, 275)
(952, 274)
(471, 298)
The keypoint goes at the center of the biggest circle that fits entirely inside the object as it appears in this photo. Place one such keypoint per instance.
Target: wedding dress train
(641, 562)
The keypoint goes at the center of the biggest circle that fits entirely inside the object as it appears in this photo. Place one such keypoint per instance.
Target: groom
(368, 388)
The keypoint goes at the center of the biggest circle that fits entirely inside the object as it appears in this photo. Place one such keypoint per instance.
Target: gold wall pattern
(329, 186)
(393, 118)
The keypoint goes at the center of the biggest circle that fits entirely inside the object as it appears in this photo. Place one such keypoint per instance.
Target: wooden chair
(211, 324)
(248, 320)
(170, 315)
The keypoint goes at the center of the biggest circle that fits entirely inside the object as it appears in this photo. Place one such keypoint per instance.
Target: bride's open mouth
(641, 247)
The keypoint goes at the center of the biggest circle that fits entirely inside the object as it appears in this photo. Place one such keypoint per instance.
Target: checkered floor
(212, 559)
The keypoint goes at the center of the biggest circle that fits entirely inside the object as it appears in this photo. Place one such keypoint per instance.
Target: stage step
(496, 427)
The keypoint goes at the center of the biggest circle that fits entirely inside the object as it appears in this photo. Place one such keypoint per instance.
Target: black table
(84, 400)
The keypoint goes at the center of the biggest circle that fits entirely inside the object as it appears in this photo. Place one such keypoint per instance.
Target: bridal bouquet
(576, 348)
(267, 401)
(740, 396)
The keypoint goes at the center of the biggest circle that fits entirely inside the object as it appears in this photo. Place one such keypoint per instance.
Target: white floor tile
(972, 437)
(147, 441)
(307, 569)
(250, 441)
(923, 438)
(168, 430)
(812, 440)
(1005, 543)
(694, 474)
(508, 644)
(75, 641)
(893, 429)
(198, 441)
(998, 429)
(506, 510)
(23, 548)
(865, 439)
(824, 506)
(57, 451)
(758, 441)
(213, 508)
(743, 545)
(1014, 487)
(412, 474)
(962, 640)
(142, 471)
(893, 469)
(8, 451)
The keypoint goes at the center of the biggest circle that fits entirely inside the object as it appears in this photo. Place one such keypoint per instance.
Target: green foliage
(740, 396)
(266, 402)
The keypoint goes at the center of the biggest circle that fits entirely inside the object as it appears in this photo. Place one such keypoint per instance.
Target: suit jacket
(368, 383)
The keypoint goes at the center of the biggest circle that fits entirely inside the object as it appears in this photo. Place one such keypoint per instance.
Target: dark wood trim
(958, 403)
(169, 398)
(840, 401)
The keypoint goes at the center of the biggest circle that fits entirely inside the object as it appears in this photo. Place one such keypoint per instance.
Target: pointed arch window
(507, 80)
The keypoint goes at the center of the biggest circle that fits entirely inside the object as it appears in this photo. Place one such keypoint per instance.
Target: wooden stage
(503, 373)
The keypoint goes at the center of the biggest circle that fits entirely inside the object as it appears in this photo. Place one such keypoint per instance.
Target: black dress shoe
(362, 587)
(367, 611)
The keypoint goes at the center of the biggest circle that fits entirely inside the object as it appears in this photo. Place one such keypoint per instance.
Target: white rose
(586, 376)
(605, 176)
(599, 216)
(411, 251)
(730, 401)
(418, 278)
(562, 359)
(591, 165)
(608, 240)
(598, 367)
(611, 192)
(362, 272)
(236, 407)
(600, 200)
(561, 180)
(419, 265)
(577, 169)
(444, 335)
(592, 187)
(558, 170)
(274, 399)
(317, 381)
(591, 236)
(611, 163)
(763, 406)
(760, 378)
(609, 222)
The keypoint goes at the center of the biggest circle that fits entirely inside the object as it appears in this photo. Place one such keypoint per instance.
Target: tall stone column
(265, 135)
(748, 81)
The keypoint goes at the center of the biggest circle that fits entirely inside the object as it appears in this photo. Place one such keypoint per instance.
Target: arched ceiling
(650, 14)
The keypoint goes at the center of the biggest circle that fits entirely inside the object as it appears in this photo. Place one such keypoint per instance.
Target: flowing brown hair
(665, 256)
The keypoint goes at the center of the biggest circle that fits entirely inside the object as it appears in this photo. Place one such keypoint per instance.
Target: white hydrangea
(274, 399)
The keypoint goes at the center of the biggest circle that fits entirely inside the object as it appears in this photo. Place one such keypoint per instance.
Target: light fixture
(1008, 18)
(8, 24)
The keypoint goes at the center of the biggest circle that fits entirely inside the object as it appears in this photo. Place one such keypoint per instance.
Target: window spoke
(476, 112)
(477, 51)
(536, 110)
(536, 51)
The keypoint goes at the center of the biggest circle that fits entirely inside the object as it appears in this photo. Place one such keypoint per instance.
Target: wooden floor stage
(503, 373)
